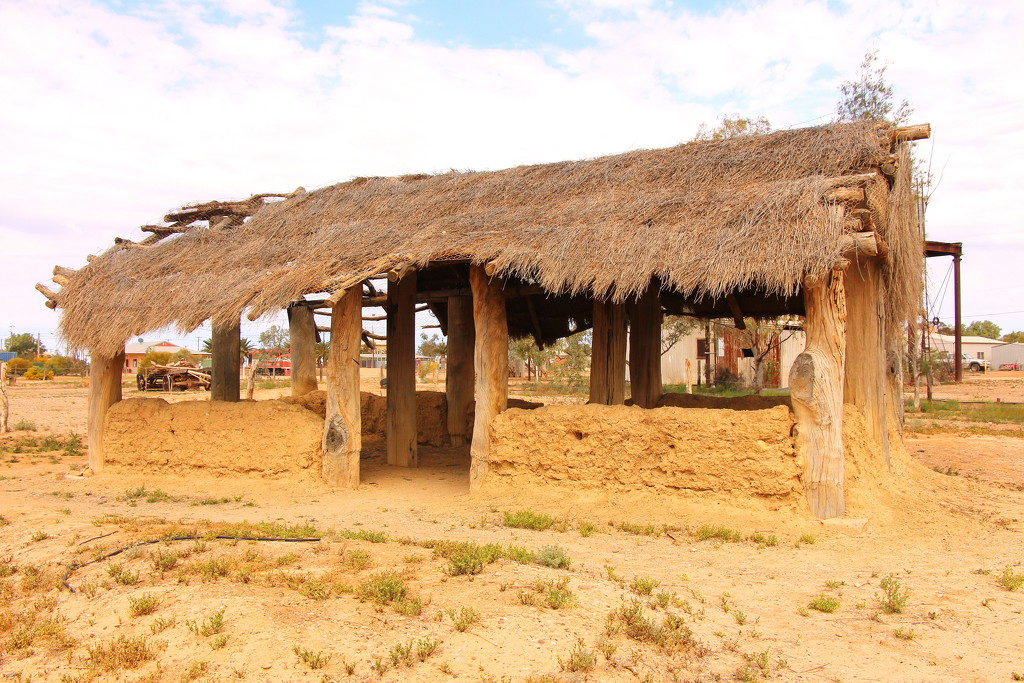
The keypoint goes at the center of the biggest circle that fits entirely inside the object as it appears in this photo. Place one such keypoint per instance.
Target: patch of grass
(122, 576)
(357, 560)
(4, 521)
(527, 519)
(644, 585)
(364, 535)
(579, 659)
(672, 635)
(824, 603)
(979, 411)
(587, 529)
(39, 536)
(764, 540)
(463, 617)
(383, 588)
(894, 595)
(163, 560)
(219, 642)
(636, 529)
(161, 624)
(808, 539)
(1011, 580)
(194, 671)
(24, 426)
(123, 652)
(142, 605)
(722, 533)
(553, 556)
(410, 607)
(904, 634)
(213, 625)
(470, 558)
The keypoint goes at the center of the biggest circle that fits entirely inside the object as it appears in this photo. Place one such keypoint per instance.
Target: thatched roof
(748, 215)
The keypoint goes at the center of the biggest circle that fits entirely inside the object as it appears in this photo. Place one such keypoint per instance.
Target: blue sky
(114, 112)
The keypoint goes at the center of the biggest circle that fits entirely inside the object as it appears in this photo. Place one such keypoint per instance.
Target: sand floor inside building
(658, 587)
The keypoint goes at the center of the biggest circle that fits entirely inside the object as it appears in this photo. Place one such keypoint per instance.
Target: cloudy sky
(113, 112)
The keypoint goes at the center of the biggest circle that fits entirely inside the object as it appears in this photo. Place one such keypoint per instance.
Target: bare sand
(946, 538)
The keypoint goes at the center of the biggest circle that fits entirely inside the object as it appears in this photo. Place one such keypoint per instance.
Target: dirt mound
(270, 438)
(750, 402)
(627, 448)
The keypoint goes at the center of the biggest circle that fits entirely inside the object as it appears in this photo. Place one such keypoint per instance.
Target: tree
(869, 97)
(943, 328)
(574, 356)
(25, 345)
(673, 329)
(275, 338)
(762, 336)
(983, 328)
(18, 366)
(244, 345)
(154, 358)
(433, 346)
(733, 126)
(1013, 338)
(535, 358)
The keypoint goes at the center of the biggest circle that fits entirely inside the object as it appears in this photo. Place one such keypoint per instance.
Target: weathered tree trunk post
(866, 377)
(225, 383)
(343, 424)
(608, 354)
(459, 378)
(491, 361)
(816, 385)
(401, 358)
(645, 348)
(302, 331)
(5, 407)
(104, 391)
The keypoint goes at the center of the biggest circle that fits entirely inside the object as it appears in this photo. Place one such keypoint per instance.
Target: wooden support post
(816, 385)
(401, 352)
(5, 407)
(302, 330)
(866, 378)
(491, 361)
(645, 348)
(225, 384)
(104, 391)
(459, 377)
(342, 423)
(608, 356)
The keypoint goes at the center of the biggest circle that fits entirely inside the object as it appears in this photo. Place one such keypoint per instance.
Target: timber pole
(302, 332)
(401, 358)
(104, 391)
(459, 379)
(342, 441)
(958, 342)
(225, 383)
(816, 386)
(608, 354)
(5, 406)
(865, 376)
(491, 361)
(645, 348)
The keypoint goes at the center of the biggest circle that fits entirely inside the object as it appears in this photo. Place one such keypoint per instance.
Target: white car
(975, 364)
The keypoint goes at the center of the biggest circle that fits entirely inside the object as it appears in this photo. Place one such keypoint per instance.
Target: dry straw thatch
(704, 218)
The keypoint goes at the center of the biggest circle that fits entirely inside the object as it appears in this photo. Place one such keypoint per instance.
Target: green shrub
(527, 519)
(553, 556)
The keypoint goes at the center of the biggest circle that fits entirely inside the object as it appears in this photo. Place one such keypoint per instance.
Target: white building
(1007, 354)
(975, 347)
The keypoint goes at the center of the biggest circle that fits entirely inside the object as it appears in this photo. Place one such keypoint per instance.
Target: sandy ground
(738, 610)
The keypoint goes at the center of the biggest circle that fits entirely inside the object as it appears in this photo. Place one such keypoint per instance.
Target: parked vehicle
(975, 364)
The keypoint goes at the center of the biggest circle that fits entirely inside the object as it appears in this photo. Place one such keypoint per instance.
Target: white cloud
(110, 119)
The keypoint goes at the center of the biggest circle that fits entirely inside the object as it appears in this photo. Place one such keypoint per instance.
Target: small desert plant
(383, 588)
(907, 634)
(578, 659)
(194, 671)
(553, 556)
(123, 652)
(769, 540)
(357, 560)
(463, 618)
(644, 585)
(122, 575)
(894, 595)
(219, 642)
(214, 624)
(410, 607)
(142, 605)
(1011, 580)
(314, 660)
(587, 529)
(161, 624)
(824, 603)
(721, 533)
(40, 536)
(809, 539)
(527, 519)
